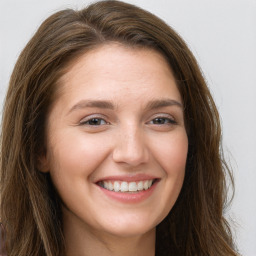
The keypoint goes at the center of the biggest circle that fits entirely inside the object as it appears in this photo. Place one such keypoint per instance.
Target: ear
(43, 163)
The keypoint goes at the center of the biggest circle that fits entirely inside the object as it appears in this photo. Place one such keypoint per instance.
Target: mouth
(127, 187)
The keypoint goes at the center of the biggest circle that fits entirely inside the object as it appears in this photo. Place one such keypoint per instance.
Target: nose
(131, 147)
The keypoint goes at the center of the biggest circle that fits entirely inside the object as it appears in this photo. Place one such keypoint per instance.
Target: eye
(94, 122)
(162, 121)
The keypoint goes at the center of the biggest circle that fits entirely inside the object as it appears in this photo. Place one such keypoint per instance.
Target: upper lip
(128, 178)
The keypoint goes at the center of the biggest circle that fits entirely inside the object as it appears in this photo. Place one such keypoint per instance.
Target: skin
(128, 136)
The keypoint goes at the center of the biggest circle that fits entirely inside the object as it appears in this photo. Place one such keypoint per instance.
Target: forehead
(115, 68)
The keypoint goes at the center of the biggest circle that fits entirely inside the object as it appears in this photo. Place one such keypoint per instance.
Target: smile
(124, 186)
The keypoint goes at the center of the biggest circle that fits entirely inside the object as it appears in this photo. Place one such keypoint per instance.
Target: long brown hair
(30, 208)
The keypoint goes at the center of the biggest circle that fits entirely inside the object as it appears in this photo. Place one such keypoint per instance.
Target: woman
(111, 142)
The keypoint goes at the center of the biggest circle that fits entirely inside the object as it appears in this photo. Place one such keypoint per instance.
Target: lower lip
(126, 197)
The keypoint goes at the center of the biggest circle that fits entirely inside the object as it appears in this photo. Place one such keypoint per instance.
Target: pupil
(159, 121)
(95, 121)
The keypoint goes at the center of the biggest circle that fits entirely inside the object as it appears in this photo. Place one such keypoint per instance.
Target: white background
(222, 35)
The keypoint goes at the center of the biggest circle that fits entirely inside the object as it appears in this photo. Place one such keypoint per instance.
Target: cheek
(74, 156)
(73, 159)
(171, 153)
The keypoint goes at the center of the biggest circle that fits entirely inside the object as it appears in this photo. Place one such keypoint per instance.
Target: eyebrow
(159, 103)
(153, 104)
(92, 104)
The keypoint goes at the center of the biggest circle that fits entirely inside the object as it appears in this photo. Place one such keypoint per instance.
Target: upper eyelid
(174, 118)
(94, 116)
(172, 121)
(149, 118)
(163, 115)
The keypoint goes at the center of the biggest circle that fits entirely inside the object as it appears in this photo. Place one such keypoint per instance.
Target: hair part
(30, 206)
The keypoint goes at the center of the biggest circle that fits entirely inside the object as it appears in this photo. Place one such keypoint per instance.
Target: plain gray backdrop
(222, 35)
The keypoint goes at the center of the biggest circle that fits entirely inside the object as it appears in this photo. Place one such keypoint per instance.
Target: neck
(81, 240)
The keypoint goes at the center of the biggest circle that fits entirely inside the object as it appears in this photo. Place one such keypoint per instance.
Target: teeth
(116, 186)
(140, 185)
(110, 186)
(146, 185)
(124, 186)
(104, 184)
(132, 187)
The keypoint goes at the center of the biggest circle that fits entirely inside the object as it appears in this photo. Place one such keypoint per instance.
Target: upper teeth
(124, 186)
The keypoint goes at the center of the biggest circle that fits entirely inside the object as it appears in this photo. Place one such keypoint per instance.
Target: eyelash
(167, 121)
(94, 119)
(97, 121)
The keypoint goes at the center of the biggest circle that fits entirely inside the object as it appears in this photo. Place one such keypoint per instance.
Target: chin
(131, 232)
(130, 227)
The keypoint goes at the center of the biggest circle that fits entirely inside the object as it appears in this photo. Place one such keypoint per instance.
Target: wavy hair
(30, 207)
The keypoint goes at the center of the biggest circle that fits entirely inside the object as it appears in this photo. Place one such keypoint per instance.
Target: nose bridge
(130, 146)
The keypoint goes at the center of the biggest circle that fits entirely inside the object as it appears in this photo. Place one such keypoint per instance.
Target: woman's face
(116, 143)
